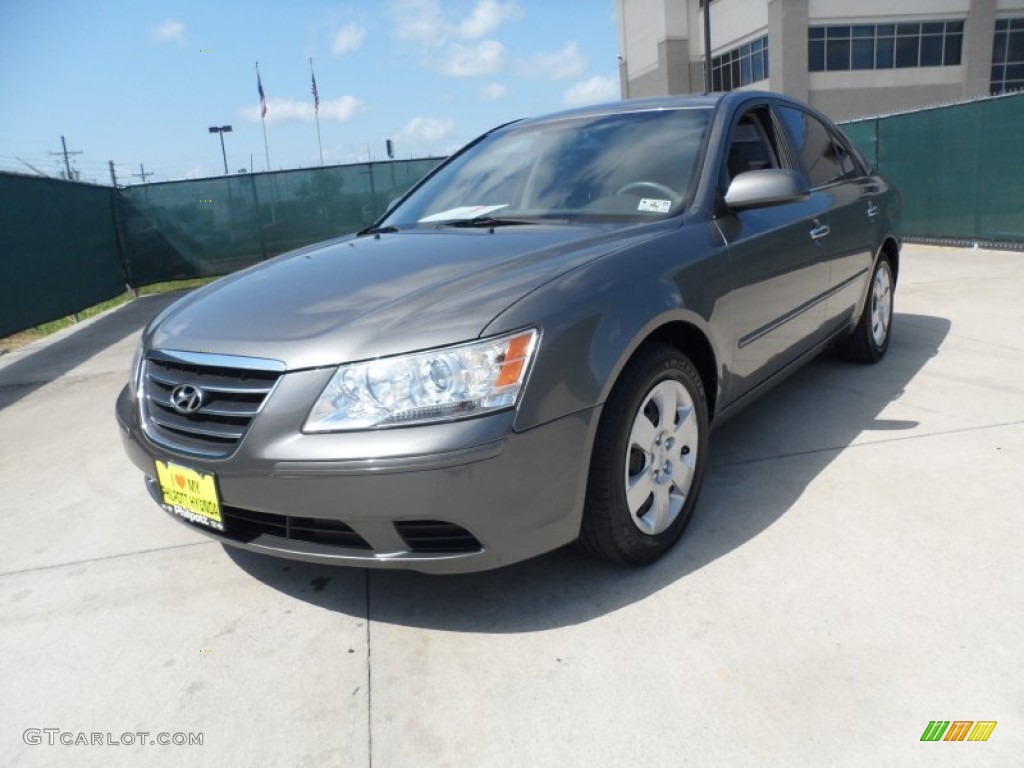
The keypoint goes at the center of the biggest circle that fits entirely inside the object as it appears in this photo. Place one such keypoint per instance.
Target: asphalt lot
(853, 572)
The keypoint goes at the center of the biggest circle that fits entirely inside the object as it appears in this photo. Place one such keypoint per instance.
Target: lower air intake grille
(244, 525)
(436, 537)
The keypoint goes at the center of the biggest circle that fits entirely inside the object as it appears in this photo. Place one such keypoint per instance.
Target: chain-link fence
(66, 246)
(958, 168)
(214, 226)
(58, 250)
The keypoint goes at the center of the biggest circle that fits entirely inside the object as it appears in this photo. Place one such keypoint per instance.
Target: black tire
(866, 344)
(609, 530)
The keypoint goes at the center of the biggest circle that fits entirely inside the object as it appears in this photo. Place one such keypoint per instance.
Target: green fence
(66, 246)
(58, 250)
(214, 226)
(956, 166)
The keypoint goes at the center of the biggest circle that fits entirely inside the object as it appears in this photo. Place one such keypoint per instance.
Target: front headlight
(439, 385)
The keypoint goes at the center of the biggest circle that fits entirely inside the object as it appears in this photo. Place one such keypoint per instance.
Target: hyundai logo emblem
(187, 399)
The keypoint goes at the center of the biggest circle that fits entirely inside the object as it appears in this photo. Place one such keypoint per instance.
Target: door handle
(872, 210)
(820, 231)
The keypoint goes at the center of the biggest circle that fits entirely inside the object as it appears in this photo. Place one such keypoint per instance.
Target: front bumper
(517, 495)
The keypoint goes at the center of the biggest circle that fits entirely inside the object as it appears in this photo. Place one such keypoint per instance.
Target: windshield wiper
(500, 221)
(377, 231)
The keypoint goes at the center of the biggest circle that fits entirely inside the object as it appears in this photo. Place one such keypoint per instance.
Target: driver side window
(752, 147)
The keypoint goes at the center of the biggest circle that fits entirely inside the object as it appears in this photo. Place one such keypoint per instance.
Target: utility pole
(113, 174)
(141, 174)
(67, 162)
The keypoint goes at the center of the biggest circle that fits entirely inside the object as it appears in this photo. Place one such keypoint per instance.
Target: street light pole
(708, 80)
(222, 130)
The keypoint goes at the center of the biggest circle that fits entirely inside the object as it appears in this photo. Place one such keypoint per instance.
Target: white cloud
(484, 58)
(199, 172)
(567, 61)
(487, 16)
(493, 91)
(282, 110)
(426, 130)
(592, 91)
(170, 31)
(419, 21)
(341, 109)
(425, 22)
(347, 39)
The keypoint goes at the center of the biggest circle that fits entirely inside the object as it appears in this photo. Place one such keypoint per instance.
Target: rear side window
(823, 154)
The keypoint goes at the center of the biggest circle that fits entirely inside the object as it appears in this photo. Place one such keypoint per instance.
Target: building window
(840, 48)
(743, 65)
(1008, 56)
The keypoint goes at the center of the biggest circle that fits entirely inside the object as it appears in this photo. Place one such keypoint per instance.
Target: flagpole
(263, 115)
(266, 149)
(316, 110)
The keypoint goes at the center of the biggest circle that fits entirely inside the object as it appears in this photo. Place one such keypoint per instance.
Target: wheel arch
(691, 340)
(891, 249)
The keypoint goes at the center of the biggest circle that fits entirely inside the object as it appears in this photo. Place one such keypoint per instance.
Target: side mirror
(771, 186)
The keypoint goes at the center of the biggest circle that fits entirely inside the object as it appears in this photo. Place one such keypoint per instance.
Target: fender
(595, 320)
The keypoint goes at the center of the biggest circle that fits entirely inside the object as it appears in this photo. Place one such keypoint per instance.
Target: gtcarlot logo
(56, 736)
(959, 730)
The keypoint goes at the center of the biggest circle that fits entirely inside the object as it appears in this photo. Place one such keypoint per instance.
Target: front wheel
(870, 339)
(648, 460)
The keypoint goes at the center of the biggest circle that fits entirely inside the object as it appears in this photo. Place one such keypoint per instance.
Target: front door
(778, 263)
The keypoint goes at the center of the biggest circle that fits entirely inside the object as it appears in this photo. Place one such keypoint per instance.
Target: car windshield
(612, 167)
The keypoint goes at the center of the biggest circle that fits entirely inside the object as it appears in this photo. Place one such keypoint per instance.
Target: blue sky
(141, 82)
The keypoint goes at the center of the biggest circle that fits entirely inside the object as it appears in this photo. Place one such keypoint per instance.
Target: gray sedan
(530, 348)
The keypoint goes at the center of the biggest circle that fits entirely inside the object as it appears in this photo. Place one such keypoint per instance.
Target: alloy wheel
(661, 455)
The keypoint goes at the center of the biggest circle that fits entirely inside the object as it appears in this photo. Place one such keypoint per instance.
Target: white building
(849, 58)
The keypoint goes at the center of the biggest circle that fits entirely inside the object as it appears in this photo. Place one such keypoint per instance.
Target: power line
(32, 167)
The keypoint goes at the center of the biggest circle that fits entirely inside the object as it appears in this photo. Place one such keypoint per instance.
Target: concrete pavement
(853, 572)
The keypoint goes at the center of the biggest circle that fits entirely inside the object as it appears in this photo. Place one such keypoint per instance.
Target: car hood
(362, 297)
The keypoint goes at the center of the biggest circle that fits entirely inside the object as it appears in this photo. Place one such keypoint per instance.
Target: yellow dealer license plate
(190, 494)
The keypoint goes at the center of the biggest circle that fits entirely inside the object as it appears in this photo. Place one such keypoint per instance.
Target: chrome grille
(233, 391)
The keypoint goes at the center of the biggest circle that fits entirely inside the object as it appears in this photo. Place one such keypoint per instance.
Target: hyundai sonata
(530, 348)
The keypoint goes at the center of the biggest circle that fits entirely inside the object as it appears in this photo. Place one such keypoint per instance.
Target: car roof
(627, 106)
(686, 101)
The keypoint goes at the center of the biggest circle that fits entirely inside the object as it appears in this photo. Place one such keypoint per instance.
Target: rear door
(854, 206)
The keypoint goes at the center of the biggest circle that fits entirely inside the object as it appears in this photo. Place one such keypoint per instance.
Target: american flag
(263, 98)
(316, 93)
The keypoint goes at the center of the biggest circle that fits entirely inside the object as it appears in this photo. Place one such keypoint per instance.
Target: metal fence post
(259, 219)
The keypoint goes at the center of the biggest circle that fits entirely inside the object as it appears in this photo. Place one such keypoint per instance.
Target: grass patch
(20, 339)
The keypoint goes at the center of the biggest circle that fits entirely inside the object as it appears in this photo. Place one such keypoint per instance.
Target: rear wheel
(870, 339)
(648, 460)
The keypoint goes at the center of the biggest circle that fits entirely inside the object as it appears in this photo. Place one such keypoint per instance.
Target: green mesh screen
(214, 226)
(999, 183)
(864, 135)
(58, 250)
(956, 166)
